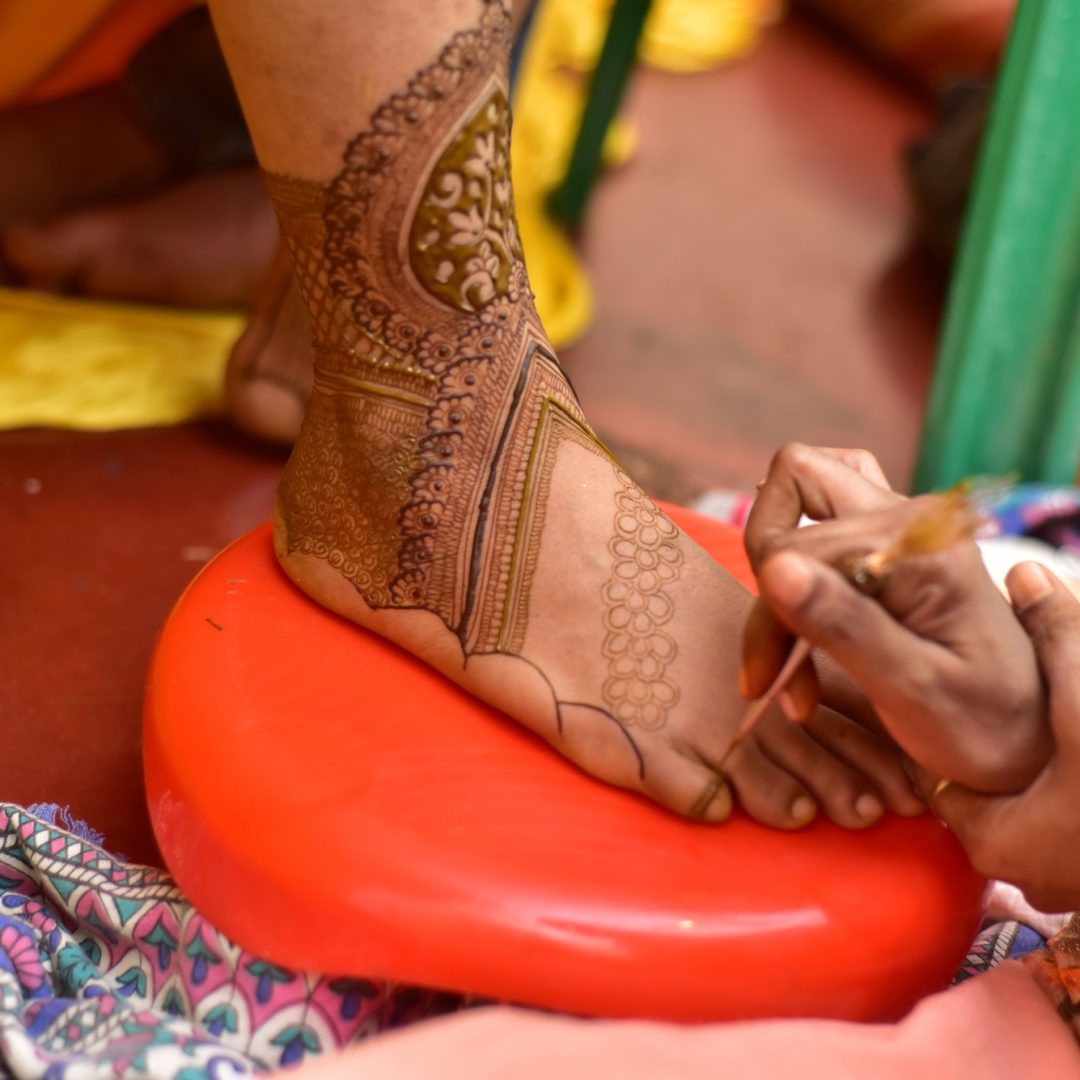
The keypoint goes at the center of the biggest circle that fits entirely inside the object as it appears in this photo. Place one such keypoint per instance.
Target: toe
(845, 796)
(683, 784)
(871, 755)
(688, 787)
(767, 792)
(642, 762)
(54, 256)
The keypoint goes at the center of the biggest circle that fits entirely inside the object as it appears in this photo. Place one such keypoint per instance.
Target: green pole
(617, 57)
(1006, 392)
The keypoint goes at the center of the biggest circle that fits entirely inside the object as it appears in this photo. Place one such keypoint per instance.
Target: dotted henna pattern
(646, 560)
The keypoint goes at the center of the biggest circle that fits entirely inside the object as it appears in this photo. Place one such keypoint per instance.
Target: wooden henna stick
(800, 651)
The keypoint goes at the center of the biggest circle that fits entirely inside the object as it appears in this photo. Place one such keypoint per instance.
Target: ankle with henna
(446, 490)
(424, 468)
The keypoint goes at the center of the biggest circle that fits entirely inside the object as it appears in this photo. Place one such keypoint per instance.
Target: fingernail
(803, 808)
(1028, 584)
(787, 704)
(868, 807)
(789, 577)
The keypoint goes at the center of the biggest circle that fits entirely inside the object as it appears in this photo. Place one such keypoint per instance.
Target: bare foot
(74, 152)
(203, 243)
(207, 242)
(447, 492)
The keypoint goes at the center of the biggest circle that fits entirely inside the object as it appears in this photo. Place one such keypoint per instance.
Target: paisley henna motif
(464, 242)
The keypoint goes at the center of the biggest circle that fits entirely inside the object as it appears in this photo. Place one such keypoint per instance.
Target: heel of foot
(280, 532)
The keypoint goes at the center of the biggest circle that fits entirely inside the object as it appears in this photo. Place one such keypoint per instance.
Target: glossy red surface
(335, 805)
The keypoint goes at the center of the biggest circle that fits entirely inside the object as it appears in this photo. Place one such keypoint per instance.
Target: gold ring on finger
(939, 787)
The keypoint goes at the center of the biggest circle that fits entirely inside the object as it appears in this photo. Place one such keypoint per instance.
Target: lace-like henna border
(460, 352)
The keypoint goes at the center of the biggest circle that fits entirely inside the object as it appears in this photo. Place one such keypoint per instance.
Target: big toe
(56, 256)
(648, 764)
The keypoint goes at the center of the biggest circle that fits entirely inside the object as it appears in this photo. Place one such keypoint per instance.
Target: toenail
(803, 808)
(868, 807)
(707, 797)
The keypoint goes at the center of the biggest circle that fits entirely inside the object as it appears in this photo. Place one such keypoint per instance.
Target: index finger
(821, 483)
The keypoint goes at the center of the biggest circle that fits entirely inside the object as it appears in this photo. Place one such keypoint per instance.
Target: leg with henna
(446, 489)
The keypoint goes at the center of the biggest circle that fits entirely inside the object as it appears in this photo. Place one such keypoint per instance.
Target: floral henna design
(464, 237)
(424, 468)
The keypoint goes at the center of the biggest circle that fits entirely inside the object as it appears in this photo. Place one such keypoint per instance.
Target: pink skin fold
(996, 1026)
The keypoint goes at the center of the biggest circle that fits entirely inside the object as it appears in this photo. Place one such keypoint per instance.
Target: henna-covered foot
(446, 490)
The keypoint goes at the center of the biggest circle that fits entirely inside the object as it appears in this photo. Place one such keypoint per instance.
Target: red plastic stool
(335, 805)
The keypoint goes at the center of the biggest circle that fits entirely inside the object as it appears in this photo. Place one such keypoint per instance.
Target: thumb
(1050, 615)
(986, 825)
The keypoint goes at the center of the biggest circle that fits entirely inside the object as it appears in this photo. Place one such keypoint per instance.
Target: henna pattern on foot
(424, 469)
(647, 559)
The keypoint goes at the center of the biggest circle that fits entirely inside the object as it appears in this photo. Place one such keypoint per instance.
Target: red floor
(754, 285)
(753, 268)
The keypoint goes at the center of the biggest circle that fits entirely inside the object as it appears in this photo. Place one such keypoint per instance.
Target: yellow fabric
(35, 34)
(98, 367)
(695, 35)
(563, 46)
(679, 35)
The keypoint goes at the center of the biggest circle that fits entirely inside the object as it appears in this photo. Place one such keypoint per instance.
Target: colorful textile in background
(106, 970)
(996, 942)
(1046, 512)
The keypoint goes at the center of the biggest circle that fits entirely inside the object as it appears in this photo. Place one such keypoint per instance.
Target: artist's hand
(939, 653)
(1033, 839)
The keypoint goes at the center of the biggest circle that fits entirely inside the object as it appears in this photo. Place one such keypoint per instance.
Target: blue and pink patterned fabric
(106, 970)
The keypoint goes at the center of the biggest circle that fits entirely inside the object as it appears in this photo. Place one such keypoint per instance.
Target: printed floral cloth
(1057, 969)
(106, 970)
